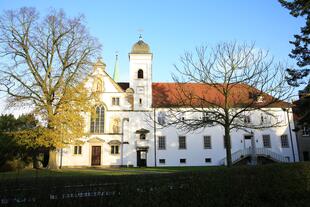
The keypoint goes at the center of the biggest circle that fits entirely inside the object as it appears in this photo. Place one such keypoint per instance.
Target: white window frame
(161, 142)
(266, 137)
(284, 141)
(115, 101)
(113, 149)
(209, 159)
(182, 146)
(207, 144)
(160, 161)
(77, 149)
(184, 160)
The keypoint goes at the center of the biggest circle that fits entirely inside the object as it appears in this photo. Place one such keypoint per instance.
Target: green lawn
(253, 186)
(28, 173)
(176, 169)
(72, 172)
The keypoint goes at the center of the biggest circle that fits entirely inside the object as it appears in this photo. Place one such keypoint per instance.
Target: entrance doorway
(247, 141)
(141, 158)
(95, 155)
(306, 156)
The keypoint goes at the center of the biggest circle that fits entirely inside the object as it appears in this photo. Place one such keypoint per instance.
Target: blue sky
(172, 27)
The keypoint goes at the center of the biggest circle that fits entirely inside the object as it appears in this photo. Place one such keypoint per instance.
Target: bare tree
(43, 63)
(224, 85)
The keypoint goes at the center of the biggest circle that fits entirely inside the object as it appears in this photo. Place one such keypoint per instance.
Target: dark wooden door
(141, 158)
(306, 156)
(96, 155)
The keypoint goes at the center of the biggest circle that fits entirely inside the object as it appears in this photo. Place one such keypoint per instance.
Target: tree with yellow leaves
(44, 62)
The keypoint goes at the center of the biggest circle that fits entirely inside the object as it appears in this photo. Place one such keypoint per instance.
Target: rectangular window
(207, 142)
(206, 119)
(266, 141)
(284, 141)
(305, 130)
(161, 142)
(115, 149)
(182, 142)
(162, 161)
(115, 101)
(208, 160)
(265, 119)
(247, 119)
(161, 118)
(182, 161)
(77, 150)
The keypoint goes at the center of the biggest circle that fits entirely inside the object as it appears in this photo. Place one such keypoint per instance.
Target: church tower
(140, 65)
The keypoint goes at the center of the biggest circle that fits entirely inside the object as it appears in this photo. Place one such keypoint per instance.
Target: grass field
(72, 172)
(269, 185)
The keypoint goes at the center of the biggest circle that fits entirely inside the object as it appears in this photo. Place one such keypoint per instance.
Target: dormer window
(140, 74)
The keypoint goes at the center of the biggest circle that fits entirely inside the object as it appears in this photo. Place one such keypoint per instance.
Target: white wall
(194, 154)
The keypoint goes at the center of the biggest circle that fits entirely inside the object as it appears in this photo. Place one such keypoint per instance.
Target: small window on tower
(140, 74)
(140, 101)
(115, 101)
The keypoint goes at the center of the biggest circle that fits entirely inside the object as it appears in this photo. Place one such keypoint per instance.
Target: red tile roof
(204, 95)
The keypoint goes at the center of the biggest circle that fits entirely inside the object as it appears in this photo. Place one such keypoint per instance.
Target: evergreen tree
(301, 50)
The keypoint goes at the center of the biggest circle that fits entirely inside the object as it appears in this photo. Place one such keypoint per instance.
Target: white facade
(127, 116)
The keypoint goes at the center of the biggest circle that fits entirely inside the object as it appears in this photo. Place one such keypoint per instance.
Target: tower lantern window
(140, 74)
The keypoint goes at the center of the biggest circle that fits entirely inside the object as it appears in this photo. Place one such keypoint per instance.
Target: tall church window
(97, 121)
(140, 74)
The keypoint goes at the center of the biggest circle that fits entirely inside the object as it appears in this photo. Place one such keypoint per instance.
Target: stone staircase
(243, 153)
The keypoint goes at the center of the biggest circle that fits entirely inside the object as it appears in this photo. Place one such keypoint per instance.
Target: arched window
(140, 74)
(97, 121)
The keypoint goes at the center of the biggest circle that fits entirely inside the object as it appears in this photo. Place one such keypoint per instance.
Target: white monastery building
(123, 131)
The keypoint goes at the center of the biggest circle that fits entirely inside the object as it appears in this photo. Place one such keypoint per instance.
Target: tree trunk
(45, 157)
(35, 161)
(52, 164)
(228, 147)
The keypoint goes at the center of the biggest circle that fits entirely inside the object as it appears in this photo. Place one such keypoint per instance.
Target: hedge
(270, 185)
